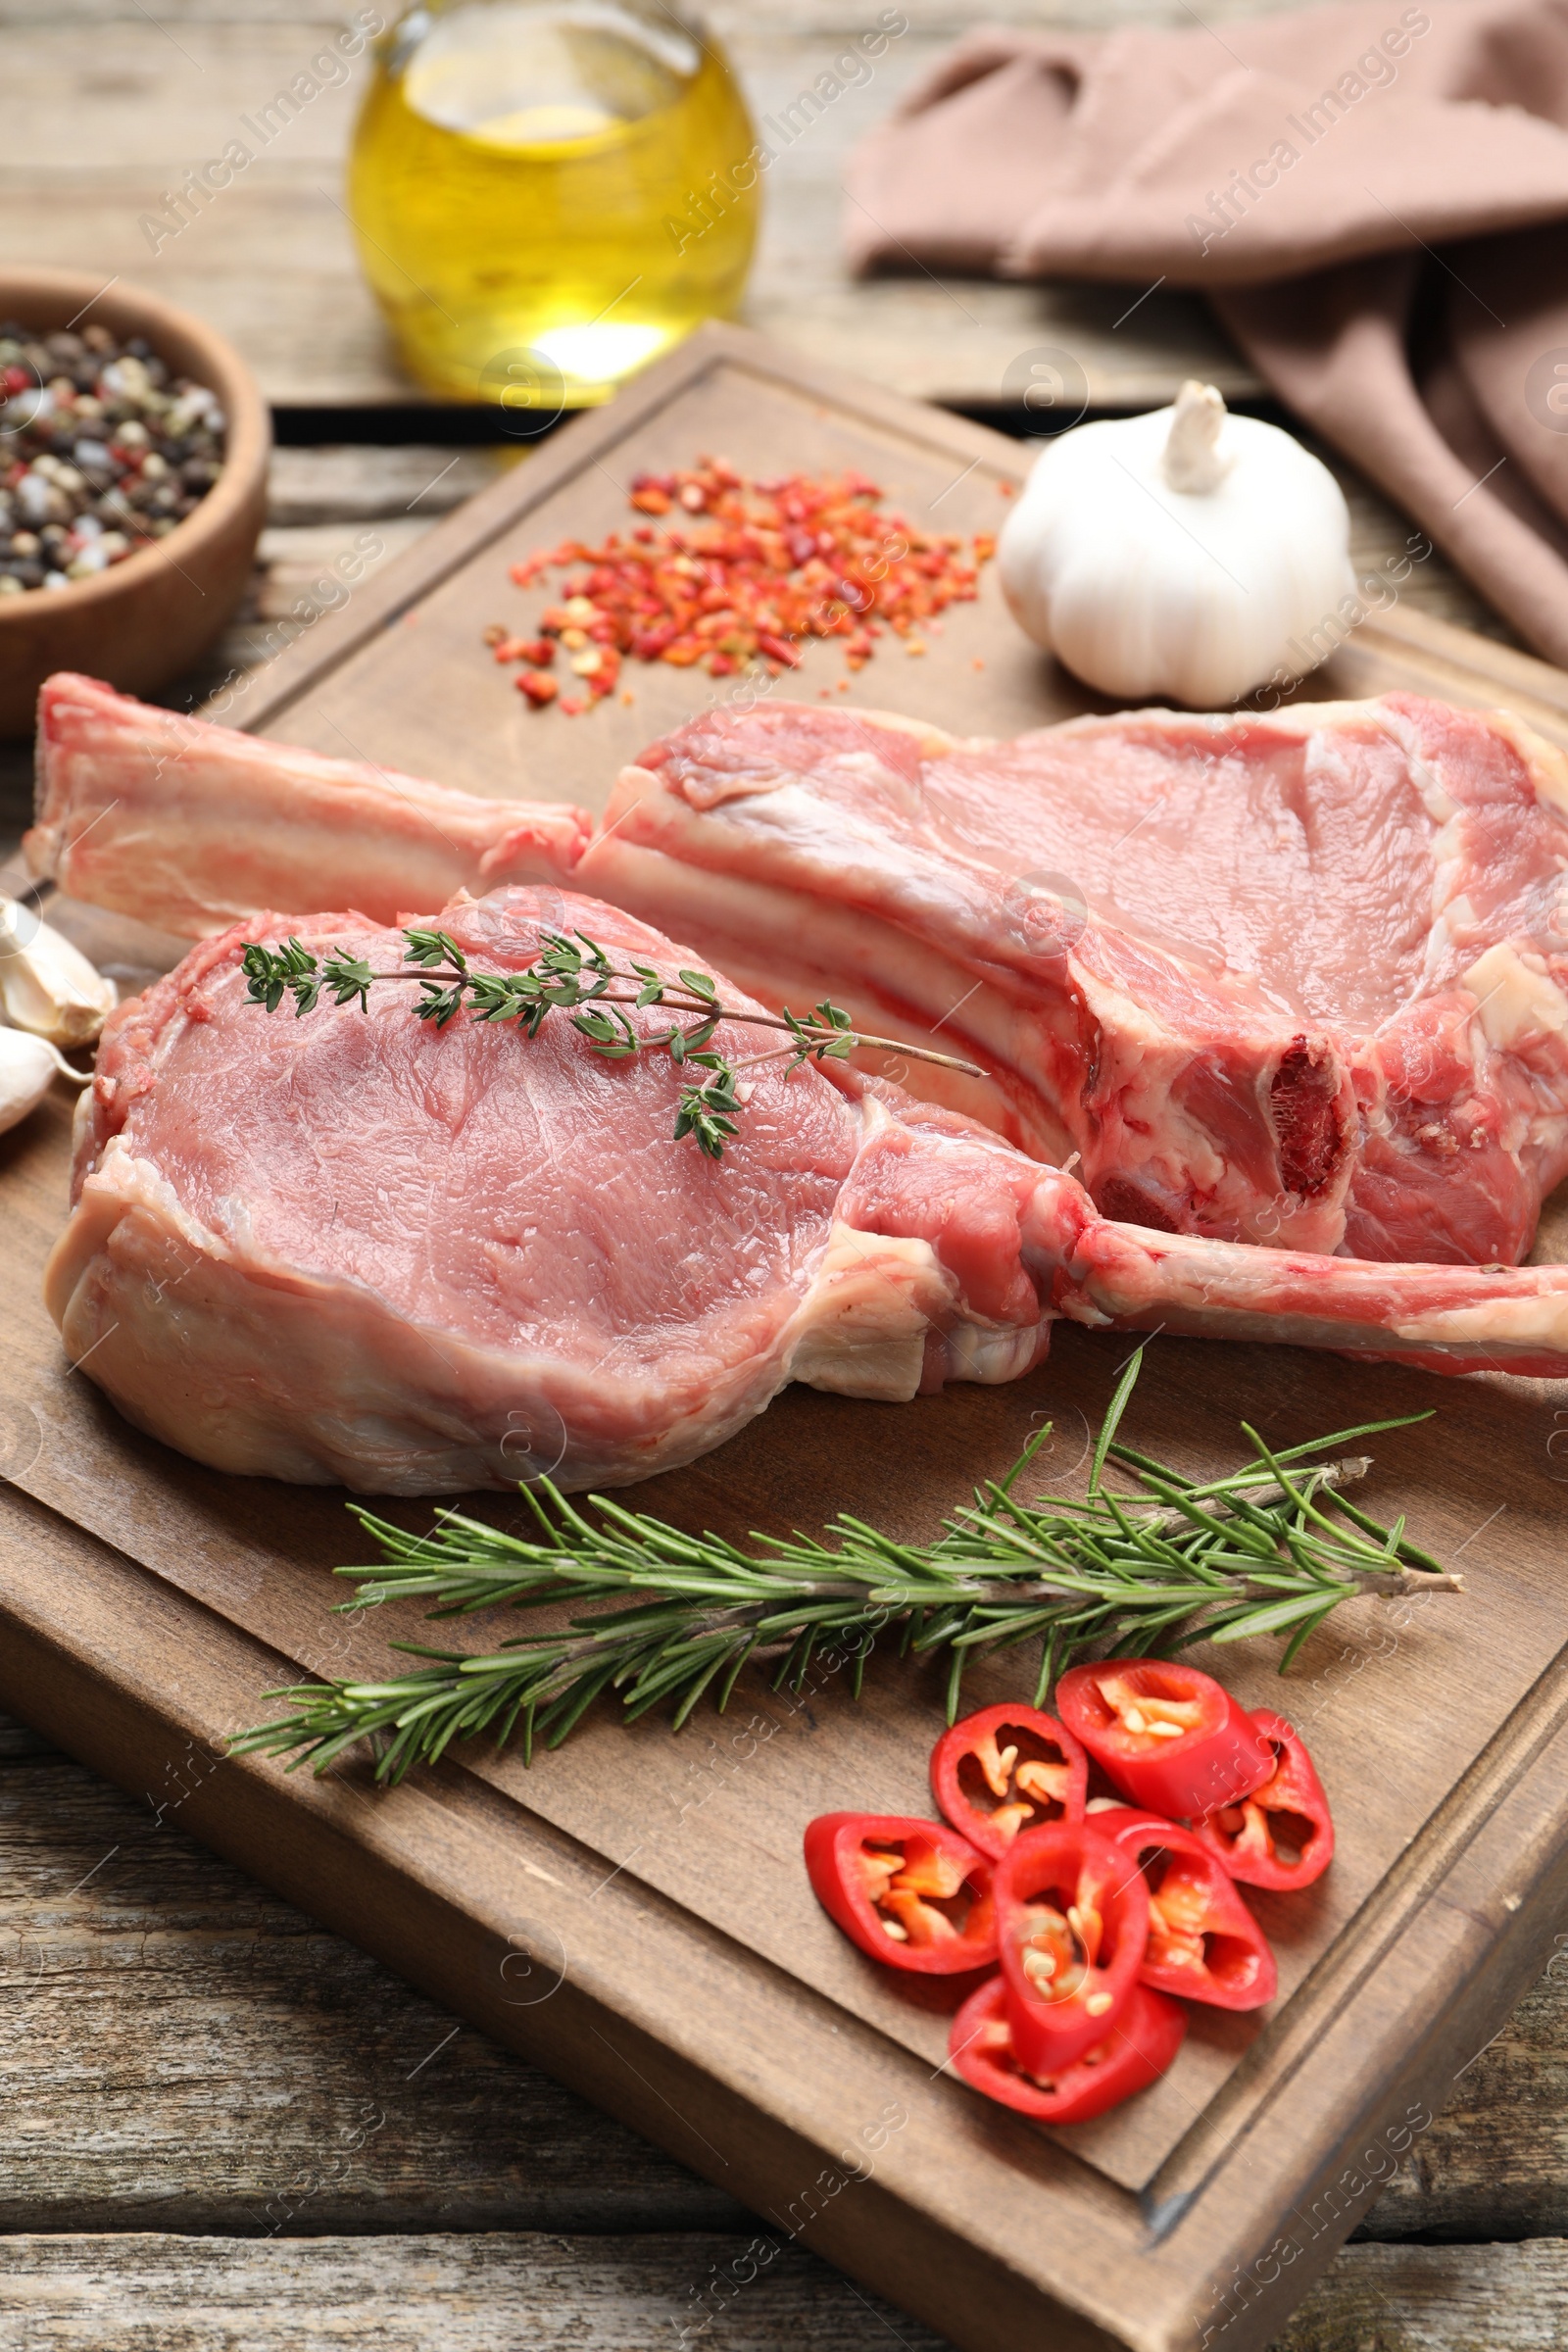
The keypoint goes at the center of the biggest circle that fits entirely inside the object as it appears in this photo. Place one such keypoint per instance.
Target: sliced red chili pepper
(1139, 2047)
(1004, 1770)
(1203, 1941)
(1072, 1920)
(912, 1892)
(1282, 1834)
(1169, 1737)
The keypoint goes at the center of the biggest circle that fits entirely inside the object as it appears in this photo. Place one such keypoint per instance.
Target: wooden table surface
(226, 2128)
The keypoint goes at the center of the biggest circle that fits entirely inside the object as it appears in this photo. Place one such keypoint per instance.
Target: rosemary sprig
(1271, 1549)
(575, 975)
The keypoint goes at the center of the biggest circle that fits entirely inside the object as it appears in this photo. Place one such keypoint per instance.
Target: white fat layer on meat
(706, 791)
(1545, 762)
(128, 1181)
(792, 814)
(1451, 912)
(885, 778)
(1539, 1322)
(863, 1328)
(866, 965)
(859, 1330)
(876, 1300)
(1454, 914)
(1291, 724)
(1440, 805)
(1516, 997)
(989, 1356)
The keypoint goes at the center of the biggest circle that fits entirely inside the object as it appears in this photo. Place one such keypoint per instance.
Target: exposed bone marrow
(1304, 1105)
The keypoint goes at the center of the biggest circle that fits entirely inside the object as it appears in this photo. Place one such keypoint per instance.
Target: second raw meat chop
(352, 1246)
(1294, 979)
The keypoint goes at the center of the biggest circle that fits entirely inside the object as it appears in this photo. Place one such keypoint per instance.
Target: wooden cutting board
(632, 1912)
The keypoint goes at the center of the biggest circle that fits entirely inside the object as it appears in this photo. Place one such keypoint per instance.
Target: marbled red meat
(1293, 979)
(354, 1247)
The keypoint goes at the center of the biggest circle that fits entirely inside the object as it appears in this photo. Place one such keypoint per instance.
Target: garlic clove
(28, 1068)
(47, 985)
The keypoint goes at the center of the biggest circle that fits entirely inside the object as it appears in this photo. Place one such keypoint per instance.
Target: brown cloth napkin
(1374, 196)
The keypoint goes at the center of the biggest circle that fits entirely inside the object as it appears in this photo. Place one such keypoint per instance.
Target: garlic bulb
(1187, 554)
(29, 1067)
(47, 985)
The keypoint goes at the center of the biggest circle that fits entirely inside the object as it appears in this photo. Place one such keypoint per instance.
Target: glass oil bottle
(548, 193)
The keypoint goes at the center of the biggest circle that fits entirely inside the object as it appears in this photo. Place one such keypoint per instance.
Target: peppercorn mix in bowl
(105, 451)
(133, 453)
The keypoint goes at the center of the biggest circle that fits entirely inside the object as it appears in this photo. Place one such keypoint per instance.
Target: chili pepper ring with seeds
(1083, 1926)
(745, 574)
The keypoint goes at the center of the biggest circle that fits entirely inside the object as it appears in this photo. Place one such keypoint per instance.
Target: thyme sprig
(1271, 1549)
(575, 975)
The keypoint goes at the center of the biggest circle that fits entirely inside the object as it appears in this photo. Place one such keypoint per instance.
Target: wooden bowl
(147, 618)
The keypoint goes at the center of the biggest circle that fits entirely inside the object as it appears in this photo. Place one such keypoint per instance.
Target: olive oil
(533, 189)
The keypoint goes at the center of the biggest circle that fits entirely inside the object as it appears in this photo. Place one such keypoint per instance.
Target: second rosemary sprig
(1270, 1549)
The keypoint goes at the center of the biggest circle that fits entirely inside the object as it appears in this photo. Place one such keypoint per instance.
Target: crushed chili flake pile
(744, 574)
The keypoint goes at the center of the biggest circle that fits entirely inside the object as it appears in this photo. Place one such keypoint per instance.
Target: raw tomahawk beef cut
(1293, 979)
(350, 1246)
